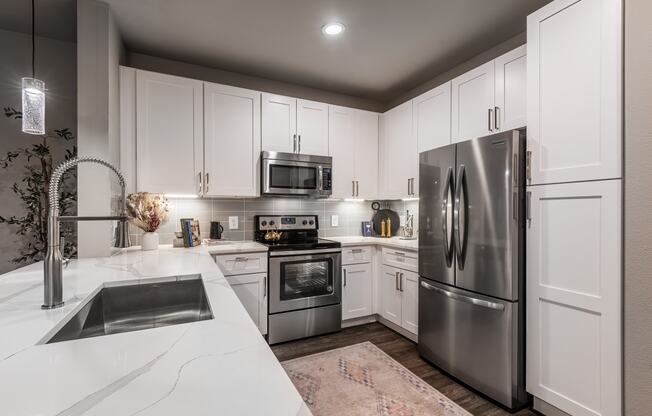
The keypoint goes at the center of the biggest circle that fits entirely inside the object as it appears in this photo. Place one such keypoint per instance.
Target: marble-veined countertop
(221, 366)
(394, 242)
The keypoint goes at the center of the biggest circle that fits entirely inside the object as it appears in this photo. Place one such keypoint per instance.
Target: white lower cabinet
(356, 291)
(251, 289)
(247, 275)
(574, 296)
(399, 297)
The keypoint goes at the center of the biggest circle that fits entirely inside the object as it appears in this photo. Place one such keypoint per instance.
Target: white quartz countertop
(221, 366)
(233, 247)
(394, 242)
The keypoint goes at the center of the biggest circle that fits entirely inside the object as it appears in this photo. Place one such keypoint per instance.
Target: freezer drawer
(475, 339)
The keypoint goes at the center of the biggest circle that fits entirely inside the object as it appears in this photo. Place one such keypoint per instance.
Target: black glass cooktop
(310, 244)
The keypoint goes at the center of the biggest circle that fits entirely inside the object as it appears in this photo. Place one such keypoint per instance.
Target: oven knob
(271, 222)
(264, 223)
(304, 222)
(312, 222)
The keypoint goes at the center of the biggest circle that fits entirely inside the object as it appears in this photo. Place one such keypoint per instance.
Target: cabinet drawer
(406, 260)
(356, 255)
(242, 263)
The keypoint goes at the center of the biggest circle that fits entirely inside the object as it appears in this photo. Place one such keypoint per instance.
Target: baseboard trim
(359, 321)
(547, 409)
(407, 334)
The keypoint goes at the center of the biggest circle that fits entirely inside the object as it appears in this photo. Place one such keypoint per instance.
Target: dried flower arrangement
(147, 211)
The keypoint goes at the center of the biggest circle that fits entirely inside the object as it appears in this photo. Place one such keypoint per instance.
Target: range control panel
(287, 222)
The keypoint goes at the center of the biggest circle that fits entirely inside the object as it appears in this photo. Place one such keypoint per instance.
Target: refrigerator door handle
(457, 211)
(475, 301)
(448, 189)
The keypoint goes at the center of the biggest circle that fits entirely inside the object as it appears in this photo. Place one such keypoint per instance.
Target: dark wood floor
(402, 350)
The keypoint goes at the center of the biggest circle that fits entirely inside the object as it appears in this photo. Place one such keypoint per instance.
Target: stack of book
(190, 235)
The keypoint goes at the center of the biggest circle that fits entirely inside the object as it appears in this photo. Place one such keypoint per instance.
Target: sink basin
(135, 307)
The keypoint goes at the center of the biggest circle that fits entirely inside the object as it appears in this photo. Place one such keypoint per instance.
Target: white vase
(150, 241)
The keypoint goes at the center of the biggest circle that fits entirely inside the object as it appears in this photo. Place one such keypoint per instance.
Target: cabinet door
(473, 103)
(251, 289)
(409, 285)
(341, 149)
(169, 134)
(312, 128)
(279, 123)
(356, 291)
(511, 85)
(231, 141)
(398, 149)
(574, 92)
(574, 296)
(390, 295)
(366, 154)
(432, 118)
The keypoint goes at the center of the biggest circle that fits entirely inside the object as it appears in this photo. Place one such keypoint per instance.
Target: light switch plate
(233, 222)
(335, 220)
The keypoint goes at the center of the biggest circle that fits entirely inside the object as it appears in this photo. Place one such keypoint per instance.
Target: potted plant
(147, 212)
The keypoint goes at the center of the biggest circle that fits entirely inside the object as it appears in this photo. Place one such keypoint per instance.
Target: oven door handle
(289, 253)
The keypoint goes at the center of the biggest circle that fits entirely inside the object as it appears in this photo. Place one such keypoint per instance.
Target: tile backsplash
(350, 215)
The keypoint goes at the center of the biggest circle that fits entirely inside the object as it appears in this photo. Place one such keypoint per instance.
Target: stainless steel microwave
(293, 174)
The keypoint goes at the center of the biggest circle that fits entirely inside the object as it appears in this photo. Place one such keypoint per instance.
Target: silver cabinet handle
(299, 147)
(462, 298)
(398, 253)
(199, 183)
(206, 178)
(497, 118)
(265, 286)
(528, 209)
(400, 282)
(241, 258)
(352, 188)
(528, 166)
(408, 187)
(396, 281)
(356, 251)
(344, 272)
(294, 143)
(489, 118)
(357, 188)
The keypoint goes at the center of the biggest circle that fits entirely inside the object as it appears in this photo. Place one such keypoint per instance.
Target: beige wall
(638, 208)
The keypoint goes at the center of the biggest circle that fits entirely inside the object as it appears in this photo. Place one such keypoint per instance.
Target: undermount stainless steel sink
(135, 307)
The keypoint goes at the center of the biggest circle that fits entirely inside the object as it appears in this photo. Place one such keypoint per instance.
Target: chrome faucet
(53, 265)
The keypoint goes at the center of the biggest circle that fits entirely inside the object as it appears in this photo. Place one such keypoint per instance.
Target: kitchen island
(220, 366)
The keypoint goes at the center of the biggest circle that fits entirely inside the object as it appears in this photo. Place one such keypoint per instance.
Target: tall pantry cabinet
(574, 235)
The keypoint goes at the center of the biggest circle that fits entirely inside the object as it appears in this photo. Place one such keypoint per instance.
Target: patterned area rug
(363, 380)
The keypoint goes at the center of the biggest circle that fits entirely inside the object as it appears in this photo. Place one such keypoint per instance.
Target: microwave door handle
(320, 178)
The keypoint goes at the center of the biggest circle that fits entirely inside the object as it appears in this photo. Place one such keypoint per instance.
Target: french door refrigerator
(472, 263)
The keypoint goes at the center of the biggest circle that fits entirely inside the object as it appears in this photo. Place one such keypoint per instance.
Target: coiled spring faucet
(53, 265)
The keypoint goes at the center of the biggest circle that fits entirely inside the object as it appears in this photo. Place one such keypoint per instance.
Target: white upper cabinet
(294, 126)
(169, 134)
(432, 118)
(398, 157)
(342, 150)
(312, 128)
(353, 145)
(574, 91)
(366, 154)
(473, 103)
(511, 90)
(279, 123)
(231, 141)
(574, 296)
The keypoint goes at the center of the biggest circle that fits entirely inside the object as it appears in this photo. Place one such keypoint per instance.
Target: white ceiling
(389, 46)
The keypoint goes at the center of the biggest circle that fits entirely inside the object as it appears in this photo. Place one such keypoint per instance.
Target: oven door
(292, 178)
(304, 279)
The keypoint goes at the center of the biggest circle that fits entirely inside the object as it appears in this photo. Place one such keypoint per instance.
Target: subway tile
(259, 205)
(229, 205)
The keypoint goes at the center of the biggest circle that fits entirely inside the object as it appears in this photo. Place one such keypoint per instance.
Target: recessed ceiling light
(332, 29)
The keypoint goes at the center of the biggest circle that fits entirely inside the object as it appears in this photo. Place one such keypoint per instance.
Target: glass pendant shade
(33, 106)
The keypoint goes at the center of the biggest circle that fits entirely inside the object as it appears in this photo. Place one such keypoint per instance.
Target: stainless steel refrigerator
(472, 263)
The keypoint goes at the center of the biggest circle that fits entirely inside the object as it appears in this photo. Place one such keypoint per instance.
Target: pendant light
(33, 96)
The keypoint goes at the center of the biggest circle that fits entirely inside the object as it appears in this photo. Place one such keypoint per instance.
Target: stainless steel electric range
(305, 290)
